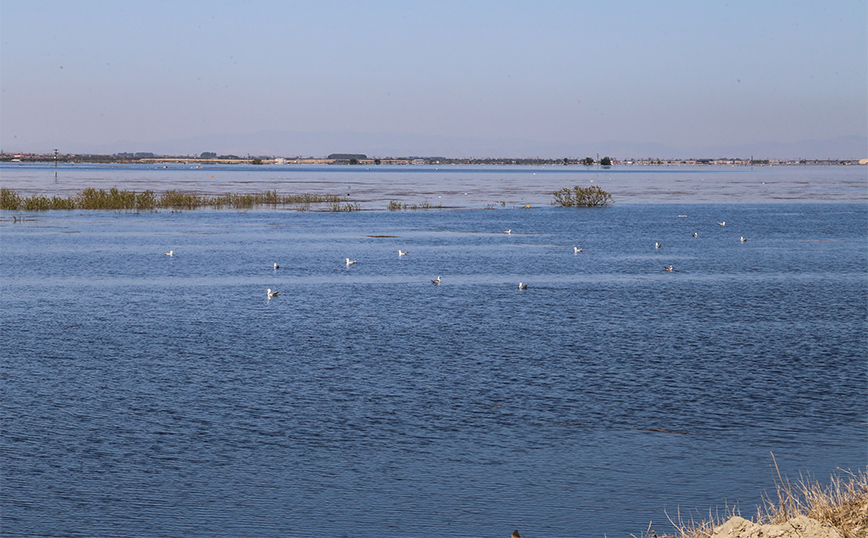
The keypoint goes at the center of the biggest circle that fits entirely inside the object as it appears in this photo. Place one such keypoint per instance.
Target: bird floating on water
(522, 286)
(507, 232)
(436, 281)
(657, 245)
(742, 239)
(694, 234)
(276, 267)
(170, 253)
(272, 293)
(402, 253)
(722, 223)
(349, 261)
(576, 250)
(669, 268)
(515, 535)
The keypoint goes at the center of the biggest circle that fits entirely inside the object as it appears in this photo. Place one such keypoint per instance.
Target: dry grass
(842, 504)
(693, 526)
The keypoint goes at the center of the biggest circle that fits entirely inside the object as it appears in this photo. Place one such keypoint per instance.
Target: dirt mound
(797, 527)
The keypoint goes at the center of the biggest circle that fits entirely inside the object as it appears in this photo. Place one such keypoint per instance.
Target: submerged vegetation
(592, 196)
(122, 200)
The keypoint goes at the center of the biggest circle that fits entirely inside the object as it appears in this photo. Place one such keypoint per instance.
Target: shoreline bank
(806, 509)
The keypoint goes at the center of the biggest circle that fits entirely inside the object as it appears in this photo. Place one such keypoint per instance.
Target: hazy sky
(433, 78)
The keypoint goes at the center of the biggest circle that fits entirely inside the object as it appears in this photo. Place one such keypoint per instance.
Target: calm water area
(456, 186)
(147, 395)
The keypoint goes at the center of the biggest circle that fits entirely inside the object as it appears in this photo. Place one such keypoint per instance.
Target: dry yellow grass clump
(842, 505)
(806, 509)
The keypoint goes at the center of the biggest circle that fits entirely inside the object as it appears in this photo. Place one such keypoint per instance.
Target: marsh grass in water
(593, 196)
(122, 200)
(338, 207)
(398, 206)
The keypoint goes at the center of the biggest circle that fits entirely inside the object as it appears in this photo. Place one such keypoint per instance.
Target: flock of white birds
(521, 285)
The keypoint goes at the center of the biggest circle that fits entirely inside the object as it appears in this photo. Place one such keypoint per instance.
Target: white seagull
(402, 253)
(508, 232)
(436, 281)
(170, 253)
(694, 234)
(722, 223)
(276, 267)
(657, 245)
(576, 250)
(349, 261)
(742, 239)
(522, 286)
(272, 293)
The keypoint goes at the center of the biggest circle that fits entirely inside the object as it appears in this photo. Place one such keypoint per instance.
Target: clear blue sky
(436, 77)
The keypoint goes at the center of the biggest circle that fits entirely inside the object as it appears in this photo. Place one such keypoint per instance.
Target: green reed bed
(123, 200)
(338, 207)
(394, 205)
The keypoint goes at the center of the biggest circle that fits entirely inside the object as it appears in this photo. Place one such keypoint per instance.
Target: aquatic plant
(123, 200)
(237, 201)
(9, 199)
(178, 200)
(146, 200)
(337, 207)
(425, 205)
(36, 203)
(91, 198)
(592, 196)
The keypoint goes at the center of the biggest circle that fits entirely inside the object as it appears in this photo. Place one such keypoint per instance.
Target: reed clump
(347, 207)
(123, 200)
(179, 200)
(394, 205)
(842, 505)
(91, 198)
(9, 199)
(593, 196)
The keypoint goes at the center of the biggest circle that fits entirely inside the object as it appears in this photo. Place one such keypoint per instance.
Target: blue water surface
(154, 396)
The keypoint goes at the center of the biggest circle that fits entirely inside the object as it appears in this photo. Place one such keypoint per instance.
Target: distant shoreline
(458, 185)
(409, 161)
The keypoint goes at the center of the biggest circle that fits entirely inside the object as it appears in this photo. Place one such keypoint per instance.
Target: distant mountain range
(307, 144)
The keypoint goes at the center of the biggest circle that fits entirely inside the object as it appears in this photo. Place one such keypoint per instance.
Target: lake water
(147, 395)
(458, 186)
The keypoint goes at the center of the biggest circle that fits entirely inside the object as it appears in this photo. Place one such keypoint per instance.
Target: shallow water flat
(473, 186)
(149, 395)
